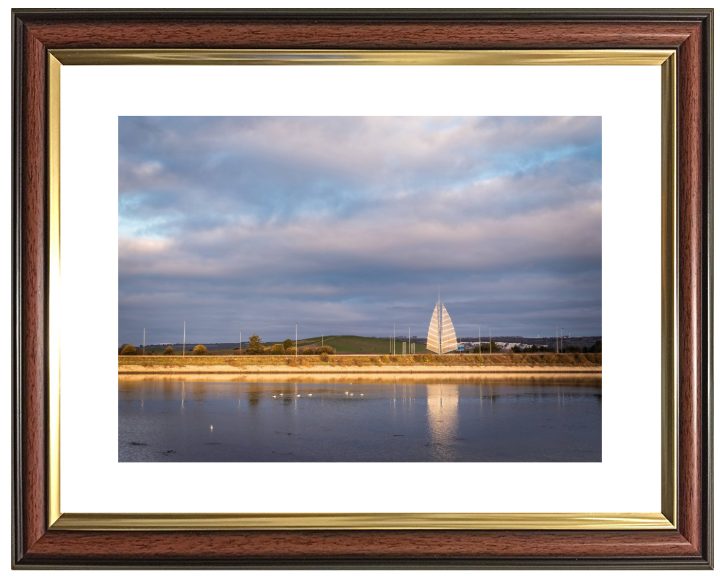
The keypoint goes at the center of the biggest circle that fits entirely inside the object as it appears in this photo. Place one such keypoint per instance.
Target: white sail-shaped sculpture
(448, 339)
(441, 334)
(433, 339)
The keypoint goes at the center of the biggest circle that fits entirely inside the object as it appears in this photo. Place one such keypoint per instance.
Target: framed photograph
(365, 263)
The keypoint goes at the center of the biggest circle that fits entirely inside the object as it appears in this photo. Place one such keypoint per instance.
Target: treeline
(255, 348)
(594, 349)
(485, 348)
(130, 350)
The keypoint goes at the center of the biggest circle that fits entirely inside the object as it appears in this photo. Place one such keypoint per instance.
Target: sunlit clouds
(347, 225)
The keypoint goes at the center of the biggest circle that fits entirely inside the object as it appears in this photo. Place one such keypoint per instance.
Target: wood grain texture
(689, 32)
(362, 35)
(690, 240)
(391, 546)
(34, 236)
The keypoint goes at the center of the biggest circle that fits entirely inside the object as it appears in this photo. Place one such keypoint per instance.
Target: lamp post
(143, 342)
(183, 338)
(296, 339)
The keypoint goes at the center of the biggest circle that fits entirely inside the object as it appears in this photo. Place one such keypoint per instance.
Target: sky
(350, 225)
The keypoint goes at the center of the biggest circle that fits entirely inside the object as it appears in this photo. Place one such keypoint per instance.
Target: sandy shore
(129, 369)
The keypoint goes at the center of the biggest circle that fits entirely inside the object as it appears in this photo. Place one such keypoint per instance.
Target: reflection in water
(442, 415)
(361, 420)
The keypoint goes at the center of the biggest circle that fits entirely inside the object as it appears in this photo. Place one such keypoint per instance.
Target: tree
(291, 351)
(128, 350)
(325, 350)
(597, 347)
(277, 349)
(486, 347)
(287, 344)
(199, 350)
(308, 351)
(255, 346)
(516, 348)
(169, 351)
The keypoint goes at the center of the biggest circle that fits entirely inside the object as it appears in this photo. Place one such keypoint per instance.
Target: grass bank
(551, 362)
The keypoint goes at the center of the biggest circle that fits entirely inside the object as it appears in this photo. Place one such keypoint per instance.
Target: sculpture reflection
(442, 415)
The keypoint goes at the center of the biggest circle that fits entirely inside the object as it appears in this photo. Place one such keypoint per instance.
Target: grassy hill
(360, 344)
(341, 344)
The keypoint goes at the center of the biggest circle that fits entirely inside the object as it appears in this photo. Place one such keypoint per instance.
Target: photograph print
(360, 289)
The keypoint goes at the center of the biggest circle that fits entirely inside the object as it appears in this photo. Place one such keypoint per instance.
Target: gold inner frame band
(185, 57)
(54, 301)
(412, 521)
(666, 519)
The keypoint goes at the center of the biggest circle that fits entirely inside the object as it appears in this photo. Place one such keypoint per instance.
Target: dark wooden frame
(690, 32)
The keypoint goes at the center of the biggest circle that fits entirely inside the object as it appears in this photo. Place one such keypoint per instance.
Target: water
(379, 420)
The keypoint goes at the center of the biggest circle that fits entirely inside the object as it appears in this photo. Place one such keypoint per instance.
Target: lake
(368, 419)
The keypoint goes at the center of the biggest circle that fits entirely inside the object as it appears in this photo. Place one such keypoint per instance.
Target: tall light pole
(490, 329)
(240, 349)
(143, 341)
(561, 342)
(183, 338)
(408, 339)
(479, 341)
(557, 345)
(296, 339)
(393, 353)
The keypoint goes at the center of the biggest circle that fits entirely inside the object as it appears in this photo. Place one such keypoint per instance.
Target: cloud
(350, 223)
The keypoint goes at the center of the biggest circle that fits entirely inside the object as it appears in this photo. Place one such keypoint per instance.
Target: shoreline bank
(130, 369)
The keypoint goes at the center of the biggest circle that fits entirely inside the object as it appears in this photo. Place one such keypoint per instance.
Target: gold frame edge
(394, 521)
(669, 291)
(417, 521)
(53, 93)
(185, 57)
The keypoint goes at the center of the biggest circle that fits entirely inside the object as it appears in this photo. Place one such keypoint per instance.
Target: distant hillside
(370, 345)
(579, 341)
(361, 344)
(341, 344)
